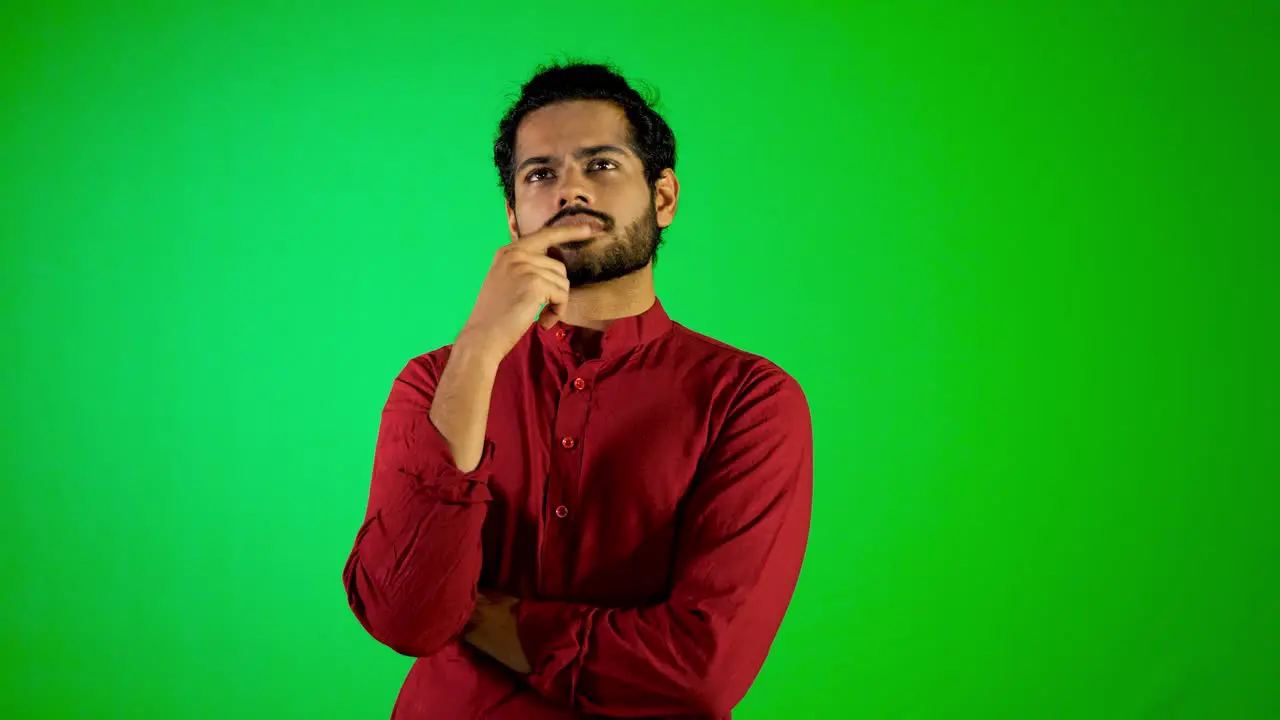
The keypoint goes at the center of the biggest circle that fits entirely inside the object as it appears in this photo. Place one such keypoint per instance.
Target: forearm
(671, 659)
(412, 573)
(740, 545)
(461, 408)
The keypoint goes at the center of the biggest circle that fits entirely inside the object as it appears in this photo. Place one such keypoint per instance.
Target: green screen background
(1022, 257)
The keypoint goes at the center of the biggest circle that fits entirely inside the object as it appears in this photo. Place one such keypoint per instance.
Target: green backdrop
(1023, 260)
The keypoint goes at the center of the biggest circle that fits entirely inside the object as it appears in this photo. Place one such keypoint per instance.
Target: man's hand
(492, 630)
(522, 279)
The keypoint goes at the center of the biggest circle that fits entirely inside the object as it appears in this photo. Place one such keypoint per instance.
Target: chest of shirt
(590, 467)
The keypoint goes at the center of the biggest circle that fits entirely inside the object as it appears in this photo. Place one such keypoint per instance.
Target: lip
(587, 220)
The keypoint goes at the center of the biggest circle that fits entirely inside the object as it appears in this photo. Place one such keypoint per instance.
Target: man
(601, 513)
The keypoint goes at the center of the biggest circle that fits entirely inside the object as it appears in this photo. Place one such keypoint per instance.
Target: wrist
(473, 349)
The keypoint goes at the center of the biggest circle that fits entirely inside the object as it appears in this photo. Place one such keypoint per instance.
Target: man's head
(580, 145)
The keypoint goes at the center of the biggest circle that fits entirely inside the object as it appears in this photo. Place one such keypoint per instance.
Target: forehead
(563, 127)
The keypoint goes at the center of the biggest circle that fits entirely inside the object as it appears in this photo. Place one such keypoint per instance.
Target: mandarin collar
(623, 333)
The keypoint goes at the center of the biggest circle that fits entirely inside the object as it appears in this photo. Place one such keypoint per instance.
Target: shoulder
(425, 369)
(752, 377)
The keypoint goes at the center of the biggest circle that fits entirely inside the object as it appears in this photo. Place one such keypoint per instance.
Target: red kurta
(650, 506)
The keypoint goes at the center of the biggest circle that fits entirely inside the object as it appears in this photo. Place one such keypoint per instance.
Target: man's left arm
(741, 541)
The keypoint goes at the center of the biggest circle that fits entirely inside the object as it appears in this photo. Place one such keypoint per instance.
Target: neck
(597, 306)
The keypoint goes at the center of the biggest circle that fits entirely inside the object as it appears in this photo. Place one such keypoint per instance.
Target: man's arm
(411, 576)
(742, 539)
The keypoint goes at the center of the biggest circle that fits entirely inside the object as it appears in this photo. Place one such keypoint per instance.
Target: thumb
(549, 316)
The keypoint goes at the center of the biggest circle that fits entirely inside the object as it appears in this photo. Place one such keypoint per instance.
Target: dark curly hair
(650, 137)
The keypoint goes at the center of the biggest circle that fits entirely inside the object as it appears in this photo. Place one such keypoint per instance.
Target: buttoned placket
(563, 482)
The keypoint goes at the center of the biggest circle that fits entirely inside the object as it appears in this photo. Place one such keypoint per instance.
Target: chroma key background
(1022, 256)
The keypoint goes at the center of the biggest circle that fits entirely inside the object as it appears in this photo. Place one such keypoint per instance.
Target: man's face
(573, 165)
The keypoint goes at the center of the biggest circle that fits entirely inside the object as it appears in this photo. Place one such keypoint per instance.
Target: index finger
(546, 238)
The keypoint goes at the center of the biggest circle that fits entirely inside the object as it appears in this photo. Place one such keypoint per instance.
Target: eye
(594, 164)
(534, 174)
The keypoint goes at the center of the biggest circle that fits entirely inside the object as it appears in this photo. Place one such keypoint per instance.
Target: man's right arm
(411, 576)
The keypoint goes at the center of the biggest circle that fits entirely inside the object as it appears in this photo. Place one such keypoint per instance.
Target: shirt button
(579, 384)
(560, 333)
(567, 443)
(562, 512)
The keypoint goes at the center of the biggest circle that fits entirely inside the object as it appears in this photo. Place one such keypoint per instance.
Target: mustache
(570, 212)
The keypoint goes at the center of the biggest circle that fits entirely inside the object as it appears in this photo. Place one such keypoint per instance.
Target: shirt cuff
(555, 637)
(447, 483)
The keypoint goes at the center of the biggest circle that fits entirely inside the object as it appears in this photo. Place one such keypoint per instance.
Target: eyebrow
(580, 154)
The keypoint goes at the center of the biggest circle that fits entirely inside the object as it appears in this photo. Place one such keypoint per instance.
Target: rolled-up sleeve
(411, 575)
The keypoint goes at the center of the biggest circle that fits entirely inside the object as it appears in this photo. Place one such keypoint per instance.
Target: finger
(554, 308)
(541, 260)
(548, 318)
(538, 242)
(556, 279)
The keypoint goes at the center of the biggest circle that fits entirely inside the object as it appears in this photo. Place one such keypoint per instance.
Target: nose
(574, 189)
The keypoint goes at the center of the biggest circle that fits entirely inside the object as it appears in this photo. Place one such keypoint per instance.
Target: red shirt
(650, 506)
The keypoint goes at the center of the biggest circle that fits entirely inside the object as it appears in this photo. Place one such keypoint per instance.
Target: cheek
(636, 208)
(534, 220)
(542, 198)
(530, 215)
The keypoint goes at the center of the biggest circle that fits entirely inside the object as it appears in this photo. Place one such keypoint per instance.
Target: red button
(562, 511)
(579, 383)
(560, 333)
(567, 443)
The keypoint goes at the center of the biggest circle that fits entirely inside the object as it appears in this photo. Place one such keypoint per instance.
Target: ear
(511, 223)
(666, 197)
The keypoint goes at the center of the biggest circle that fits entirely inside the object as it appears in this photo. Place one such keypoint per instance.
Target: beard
(618, 253)
(631, 250)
